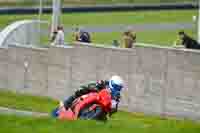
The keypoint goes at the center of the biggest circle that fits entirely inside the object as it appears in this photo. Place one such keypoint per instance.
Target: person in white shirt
(60, 36)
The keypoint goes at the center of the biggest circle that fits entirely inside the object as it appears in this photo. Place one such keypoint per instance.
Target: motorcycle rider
(114, 85)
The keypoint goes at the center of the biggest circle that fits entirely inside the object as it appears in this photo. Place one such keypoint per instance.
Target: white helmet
(116, 84)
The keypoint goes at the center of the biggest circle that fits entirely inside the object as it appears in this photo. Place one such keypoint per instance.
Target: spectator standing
(128, 39)
(60, 37)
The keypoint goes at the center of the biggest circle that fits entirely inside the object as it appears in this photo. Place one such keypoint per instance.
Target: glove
(100, 85)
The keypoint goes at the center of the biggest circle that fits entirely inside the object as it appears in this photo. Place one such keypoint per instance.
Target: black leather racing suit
(85, 89)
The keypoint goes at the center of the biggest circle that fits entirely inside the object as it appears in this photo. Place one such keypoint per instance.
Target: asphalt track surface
(8, 111)
(134, 27)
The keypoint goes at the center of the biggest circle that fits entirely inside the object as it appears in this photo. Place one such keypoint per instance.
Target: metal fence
(26, 32)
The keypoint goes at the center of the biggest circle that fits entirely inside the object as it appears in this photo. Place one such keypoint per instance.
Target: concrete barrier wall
(183, 76)
(160, 81)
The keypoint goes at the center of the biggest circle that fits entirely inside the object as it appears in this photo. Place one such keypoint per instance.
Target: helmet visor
(116, 87)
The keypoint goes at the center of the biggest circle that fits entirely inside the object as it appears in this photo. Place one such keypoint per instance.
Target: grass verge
(120, 123)
(26, 102)
(111, 18)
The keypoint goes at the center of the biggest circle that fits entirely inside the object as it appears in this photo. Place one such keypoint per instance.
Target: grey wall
(159, 80)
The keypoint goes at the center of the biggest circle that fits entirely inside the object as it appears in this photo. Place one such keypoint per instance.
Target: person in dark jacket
(187, 41)
(84, 36)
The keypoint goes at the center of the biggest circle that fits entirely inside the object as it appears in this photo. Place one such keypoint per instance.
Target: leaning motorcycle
(90, 106)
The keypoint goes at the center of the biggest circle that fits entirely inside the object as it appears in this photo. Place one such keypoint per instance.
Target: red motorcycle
(90, 106)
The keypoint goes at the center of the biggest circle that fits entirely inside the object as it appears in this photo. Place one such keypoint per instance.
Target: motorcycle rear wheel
(92, 112)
